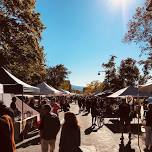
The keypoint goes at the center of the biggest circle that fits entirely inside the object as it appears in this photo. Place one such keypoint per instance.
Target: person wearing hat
(49, 128)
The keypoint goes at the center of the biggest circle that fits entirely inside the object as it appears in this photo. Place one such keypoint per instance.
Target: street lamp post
(99, 72)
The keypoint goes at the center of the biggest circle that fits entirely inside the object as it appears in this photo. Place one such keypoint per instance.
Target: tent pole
(2, 97)
(138, 114)
(22, 115)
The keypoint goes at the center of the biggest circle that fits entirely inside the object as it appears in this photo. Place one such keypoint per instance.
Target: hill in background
(75, 87)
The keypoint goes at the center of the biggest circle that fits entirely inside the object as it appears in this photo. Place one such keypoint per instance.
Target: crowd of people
(49, 125)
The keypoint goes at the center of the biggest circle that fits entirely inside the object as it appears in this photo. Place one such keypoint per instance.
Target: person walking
(94, 112)
(70, 134)
(148, 129)
(49, 127)
(7, 142)
(124, 113)
(55, 106)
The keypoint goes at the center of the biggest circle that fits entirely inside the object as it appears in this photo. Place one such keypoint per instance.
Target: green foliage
(140, 28)
(110, 74)
(20, 34)
(125, 75)
(66, 85)
(94, 86)
(56, 75)
(140, 32)
(146, 65)
(128, 72)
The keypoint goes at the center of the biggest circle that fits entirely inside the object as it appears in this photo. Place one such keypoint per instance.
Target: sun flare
(119, 3)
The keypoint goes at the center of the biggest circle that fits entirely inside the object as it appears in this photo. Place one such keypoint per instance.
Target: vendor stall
(13, 85)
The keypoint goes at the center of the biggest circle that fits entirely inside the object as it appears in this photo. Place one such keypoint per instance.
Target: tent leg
(2, 97)
(22, 116)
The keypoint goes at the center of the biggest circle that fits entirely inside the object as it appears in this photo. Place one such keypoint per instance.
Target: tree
(110, 74)
(140, 28)
(140, 32)
(56, 75)
(143, 78)
(66, 85)
(20, 35)
(128, 72)
(93, 87)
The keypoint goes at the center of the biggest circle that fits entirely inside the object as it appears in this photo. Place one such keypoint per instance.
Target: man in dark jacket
(49, 127)
(4, 135)
(7, 142)
(124, 113)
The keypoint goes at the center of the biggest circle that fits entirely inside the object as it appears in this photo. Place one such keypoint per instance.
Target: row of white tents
(140, 91)
(10, 86)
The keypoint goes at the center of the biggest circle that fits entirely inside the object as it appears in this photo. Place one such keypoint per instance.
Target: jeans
(45, 144)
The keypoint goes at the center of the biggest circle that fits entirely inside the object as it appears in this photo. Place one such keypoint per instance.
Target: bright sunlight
(118, 4)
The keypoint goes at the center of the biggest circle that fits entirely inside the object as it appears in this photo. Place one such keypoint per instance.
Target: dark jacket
(49, 126)
(124, 111)
(4, 135)
(70, 139)
(7, 142)
(149, 118)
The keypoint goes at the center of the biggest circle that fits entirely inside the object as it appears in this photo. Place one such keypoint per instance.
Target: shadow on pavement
(88, 130)
(125, 148)
(92, 129)
(85, 114)
(115, 127)
(26, 143)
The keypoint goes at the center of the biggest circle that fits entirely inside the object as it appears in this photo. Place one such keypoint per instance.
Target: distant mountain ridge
(75, 87)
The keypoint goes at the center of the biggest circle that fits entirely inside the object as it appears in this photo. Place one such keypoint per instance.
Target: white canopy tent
(9, 79)
(11, 84)
(146, 88)
(45, 89)
(65, 92)
(128, 91)
(104, 93)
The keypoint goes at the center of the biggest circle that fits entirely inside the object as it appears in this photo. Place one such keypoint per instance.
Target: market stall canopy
(128, 91)
(149, 100)
(26, 109)
(104, 93)
(14, 84)
(65, 91)
(45, 89)
(146, 88)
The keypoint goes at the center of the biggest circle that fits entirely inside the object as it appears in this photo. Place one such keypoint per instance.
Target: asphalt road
(105, 139)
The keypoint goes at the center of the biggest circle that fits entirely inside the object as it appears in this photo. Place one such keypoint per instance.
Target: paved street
(104, 139)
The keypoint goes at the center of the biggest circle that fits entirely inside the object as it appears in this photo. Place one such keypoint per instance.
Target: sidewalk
(105, 139)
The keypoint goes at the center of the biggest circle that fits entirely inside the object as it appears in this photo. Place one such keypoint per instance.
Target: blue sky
(82, 34)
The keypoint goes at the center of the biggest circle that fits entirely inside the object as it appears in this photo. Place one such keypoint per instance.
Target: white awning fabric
(45, 89)
(7, 78)
(128, 91)
(146, 88)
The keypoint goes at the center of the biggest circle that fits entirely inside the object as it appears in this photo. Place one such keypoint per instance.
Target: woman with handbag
(70, 134)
